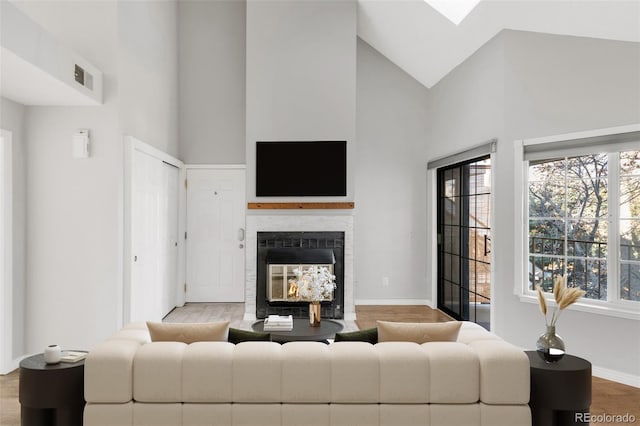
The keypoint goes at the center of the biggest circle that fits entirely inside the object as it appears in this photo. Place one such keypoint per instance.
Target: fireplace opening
(283, 265)
(280, 254)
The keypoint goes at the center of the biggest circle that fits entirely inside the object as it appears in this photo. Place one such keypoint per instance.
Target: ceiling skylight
(454, 10)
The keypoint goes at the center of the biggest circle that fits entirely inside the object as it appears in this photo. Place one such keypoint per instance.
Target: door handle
(241, 234)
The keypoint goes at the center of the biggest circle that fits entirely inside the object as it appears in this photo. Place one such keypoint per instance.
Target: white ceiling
(410, 33)
(428, 46)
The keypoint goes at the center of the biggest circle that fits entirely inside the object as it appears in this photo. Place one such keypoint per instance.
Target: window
(584, 223)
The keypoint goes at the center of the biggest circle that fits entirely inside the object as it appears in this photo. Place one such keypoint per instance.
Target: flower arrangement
(314, 284)
(564, 296)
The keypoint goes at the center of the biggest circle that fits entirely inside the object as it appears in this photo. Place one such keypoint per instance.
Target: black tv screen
(301, 169)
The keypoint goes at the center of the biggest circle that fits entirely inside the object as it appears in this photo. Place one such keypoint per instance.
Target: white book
(73, 356)
(279, 320)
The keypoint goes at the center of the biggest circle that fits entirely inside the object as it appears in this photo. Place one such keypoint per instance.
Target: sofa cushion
(369, 335)
(207, 372)
(238, 336)
(188, 332)
(418, 332)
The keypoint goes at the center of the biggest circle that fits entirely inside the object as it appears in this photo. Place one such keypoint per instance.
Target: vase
(52, 354)
(550, 346)
(314, 314)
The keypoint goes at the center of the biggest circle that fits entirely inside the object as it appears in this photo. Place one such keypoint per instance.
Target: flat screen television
(301, 169)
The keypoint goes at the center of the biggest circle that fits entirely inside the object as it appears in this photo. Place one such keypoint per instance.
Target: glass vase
(314, 314)
(550, 346)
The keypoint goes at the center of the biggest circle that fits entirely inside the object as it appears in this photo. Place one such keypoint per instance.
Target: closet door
(154, 230)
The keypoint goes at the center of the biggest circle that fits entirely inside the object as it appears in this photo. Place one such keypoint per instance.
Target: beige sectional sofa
(479, 380)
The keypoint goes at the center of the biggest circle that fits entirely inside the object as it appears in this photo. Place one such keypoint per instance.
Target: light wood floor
(607, 397)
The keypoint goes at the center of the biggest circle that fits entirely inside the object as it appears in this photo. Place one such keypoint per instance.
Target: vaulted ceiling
(428, 46)
(410, 33)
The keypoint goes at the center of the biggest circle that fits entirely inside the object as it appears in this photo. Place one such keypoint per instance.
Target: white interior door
(154, 230)
(215, 235)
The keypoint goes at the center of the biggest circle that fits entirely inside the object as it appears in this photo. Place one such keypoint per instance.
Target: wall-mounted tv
(301, 169)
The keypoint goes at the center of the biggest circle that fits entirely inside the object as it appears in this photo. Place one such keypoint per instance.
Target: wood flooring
(608, 397)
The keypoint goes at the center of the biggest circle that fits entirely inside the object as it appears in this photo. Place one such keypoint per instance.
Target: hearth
(279, 254)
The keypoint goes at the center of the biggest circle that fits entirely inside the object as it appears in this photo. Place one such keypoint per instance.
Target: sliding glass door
(464, 240)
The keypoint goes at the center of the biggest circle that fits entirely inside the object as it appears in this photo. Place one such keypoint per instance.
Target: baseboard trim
(616, 376)
(387, 302)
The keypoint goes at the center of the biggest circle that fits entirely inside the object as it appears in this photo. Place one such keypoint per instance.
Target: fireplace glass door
(464, 240)
(283, 285)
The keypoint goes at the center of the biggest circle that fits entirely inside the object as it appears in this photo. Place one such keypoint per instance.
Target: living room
(203, 81)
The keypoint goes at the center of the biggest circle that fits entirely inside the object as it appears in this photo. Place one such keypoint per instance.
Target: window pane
(630, 197)
(543, 271)
(451, 211)
(630, 239)
(587, 198)
(546, 198)
(587, 238)
(589, 275)
(630, 282)
(593, 166)
(546, 236)
(451, 239)
(630, 163)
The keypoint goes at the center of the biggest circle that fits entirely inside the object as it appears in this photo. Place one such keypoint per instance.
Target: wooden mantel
(298, 206)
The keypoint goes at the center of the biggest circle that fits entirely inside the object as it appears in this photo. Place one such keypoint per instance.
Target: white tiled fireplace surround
(297, 223)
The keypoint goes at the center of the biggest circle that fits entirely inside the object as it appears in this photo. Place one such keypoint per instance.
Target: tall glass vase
(550, 346)
(314, 314)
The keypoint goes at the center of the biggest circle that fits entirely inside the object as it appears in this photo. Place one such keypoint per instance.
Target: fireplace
(280, 254)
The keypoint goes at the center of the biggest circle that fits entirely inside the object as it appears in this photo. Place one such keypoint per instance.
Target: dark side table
(560, 391)
(51, 394)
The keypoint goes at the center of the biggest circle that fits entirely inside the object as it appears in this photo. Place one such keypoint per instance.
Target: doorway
(215, 234)
(464, 240)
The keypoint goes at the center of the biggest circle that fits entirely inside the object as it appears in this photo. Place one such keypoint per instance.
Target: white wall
(391, 117)
(556, 85)
(73, 242)
(148, 72)
(301, 78)
(75, 215)
(12, 118)
(522, 85)
(211, 58)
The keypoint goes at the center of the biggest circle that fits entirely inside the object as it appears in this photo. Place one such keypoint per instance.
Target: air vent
(79, 74)
(83, 77)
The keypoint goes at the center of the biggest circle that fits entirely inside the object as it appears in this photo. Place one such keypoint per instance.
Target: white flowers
(316, 283)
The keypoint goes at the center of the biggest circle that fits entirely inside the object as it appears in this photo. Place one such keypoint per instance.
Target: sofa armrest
(504, 372)
(108, 372)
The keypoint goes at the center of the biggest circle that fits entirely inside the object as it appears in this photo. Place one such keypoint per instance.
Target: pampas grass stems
(563, 296)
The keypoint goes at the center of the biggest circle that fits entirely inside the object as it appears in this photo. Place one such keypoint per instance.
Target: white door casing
(215, 234)
(169, 239)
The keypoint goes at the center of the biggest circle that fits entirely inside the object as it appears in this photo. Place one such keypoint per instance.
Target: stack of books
(278, 323)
